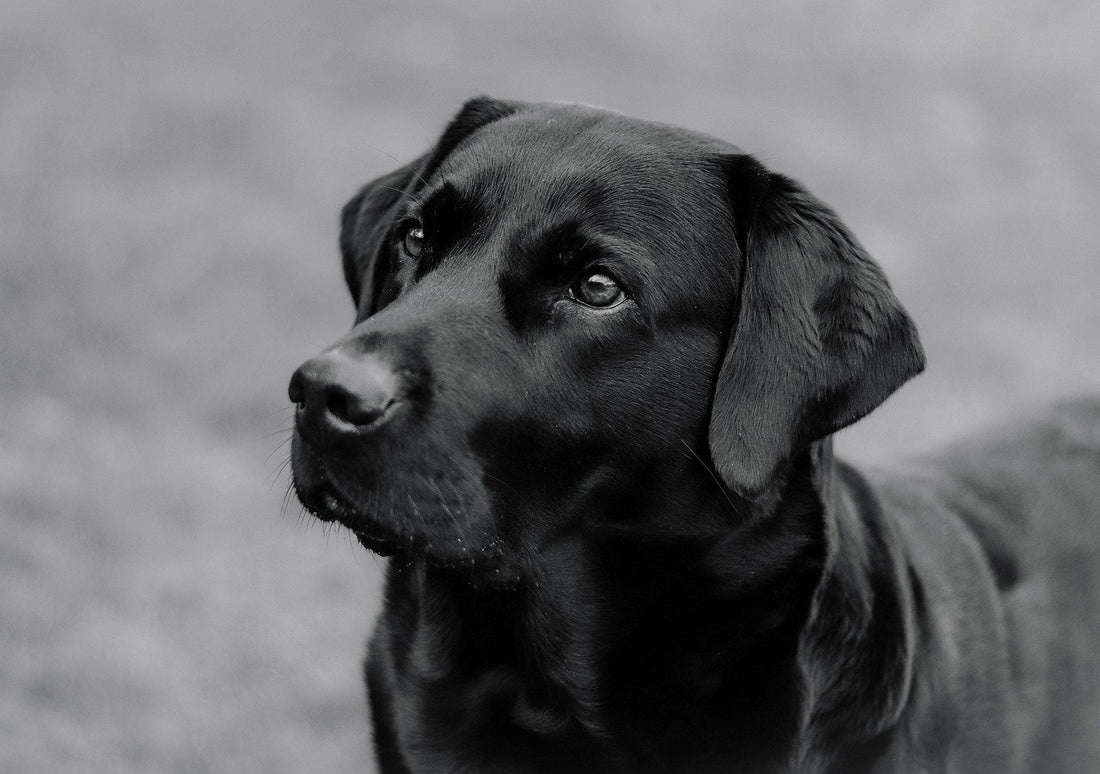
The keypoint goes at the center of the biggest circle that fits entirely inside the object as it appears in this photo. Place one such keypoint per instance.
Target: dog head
(571, 320)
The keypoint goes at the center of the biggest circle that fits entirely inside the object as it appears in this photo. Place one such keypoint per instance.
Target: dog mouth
(454, 536)
(329, 506)
(320, 497)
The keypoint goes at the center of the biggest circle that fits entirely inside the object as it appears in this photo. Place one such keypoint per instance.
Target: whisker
(713, 476)
(443, 503)
(501, 481)
(274, 477)
(288, 496)
(283, 443)
(391, 188)
(398, 161)
(281, 408)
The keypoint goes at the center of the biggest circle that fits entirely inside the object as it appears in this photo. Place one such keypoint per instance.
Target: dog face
(570, 322)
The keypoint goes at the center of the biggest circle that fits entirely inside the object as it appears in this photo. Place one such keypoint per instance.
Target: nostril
(362, 408)
(337, 404)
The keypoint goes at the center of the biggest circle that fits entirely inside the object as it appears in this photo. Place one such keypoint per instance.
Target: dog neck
(760, 627)
(857, 650)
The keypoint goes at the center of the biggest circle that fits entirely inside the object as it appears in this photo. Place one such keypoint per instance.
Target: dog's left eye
(412, 239)
(597, 289)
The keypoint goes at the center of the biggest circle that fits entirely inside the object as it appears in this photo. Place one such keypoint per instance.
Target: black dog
(587, 403)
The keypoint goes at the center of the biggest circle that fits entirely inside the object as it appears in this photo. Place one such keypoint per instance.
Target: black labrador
(586, 405)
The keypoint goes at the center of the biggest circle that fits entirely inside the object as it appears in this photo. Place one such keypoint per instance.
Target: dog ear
(818, 339)
(364, 224)
(366, 220)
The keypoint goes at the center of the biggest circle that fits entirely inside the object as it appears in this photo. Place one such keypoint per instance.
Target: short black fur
(621, 541)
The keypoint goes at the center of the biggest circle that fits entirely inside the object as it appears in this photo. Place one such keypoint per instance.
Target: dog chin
(321, 498)
(474, 553)
(322, 502)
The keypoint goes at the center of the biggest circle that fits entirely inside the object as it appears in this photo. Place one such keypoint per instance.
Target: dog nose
(339, 394)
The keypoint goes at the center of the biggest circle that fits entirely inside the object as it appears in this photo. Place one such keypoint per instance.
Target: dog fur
(621, 540)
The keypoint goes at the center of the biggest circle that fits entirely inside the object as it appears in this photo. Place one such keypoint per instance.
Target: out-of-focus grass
(170, 176)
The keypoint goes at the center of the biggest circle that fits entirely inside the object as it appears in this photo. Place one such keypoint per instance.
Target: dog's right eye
(412, 238)
(598, 290)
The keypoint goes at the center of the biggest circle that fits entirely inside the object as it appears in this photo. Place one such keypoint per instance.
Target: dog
(587, 406)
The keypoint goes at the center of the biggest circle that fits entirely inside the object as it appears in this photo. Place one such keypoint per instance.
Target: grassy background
(170, 179)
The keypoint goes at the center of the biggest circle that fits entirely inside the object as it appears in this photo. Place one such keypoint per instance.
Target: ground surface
(170, 178)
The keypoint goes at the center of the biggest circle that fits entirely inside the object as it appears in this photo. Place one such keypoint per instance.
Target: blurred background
(170, 181)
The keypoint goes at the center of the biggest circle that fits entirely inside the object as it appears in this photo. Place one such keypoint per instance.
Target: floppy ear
(364, 223)
(366, 220)
(818, 341)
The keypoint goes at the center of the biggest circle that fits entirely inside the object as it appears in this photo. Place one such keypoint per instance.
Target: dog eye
(597, 289)
(412, 239)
